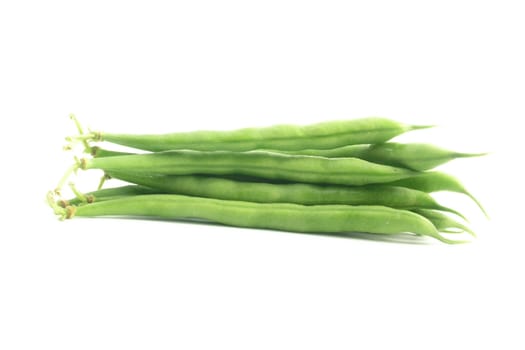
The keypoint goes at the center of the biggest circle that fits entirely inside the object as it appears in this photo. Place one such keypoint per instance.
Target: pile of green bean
(329, 178)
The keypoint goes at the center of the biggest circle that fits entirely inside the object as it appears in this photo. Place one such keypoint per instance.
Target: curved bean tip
(470, 232)
(478, 203)
(420, 127)
(449, 241)
(452, 231)
(461, 230)
(453, 211)
(470, 155)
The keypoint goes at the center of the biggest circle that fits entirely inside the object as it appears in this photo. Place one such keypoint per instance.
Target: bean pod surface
(268, 165)
(279, 137)
(277, 216)
(307, 194)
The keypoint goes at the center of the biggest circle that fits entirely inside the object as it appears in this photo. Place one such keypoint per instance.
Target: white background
(166, 66)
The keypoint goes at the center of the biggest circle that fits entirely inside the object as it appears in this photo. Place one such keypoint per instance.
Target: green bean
(414, 156)
(280, 216)
(444, 223)
(281, 137)
(342, 171)
(436, 181)
(306, 194)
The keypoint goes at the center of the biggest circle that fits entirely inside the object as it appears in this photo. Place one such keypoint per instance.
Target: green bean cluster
(337, 177)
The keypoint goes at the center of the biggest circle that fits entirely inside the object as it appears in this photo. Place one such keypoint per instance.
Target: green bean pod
(306, 194)
(275, 166)
(435, 181)
(276, 216)
(414, 156)
(280, 137)
(444, 223)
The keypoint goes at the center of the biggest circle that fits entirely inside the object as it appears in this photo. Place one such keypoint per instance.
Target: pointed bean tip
(454, 241)
(461, 230)
(443, 239)
(420, 127)
(471, 155)
(459, 241)
(453, 211)
(478, 204)
(470, 232)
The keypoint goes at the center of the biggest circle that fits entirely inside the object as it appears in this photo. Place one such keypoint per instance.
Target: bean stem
(71, 170)
(81, 197)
